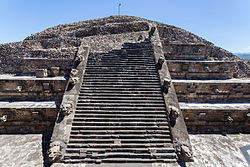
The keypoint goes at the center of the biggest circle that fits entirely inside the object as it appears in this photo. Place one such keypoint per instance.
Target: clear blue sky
(223, 22)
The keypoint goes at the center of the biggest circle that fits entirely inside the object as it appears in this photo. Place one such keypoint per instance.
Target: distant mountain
(243, 55)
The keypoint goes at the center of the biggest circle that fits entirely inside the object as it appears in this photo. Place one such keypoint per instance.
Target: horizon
(224, 23)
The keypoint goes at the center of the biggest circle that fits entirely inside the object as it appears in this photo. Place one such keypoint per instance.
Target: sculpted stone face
(166, 85)
(55, 151)
(186, 152)
(174, 112)
(66, 109)
(55, 71)
(74, 72)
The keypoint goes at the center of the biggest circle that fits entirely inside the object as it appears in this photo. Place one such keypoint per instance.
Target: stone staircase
(210, 98)
(120, 114)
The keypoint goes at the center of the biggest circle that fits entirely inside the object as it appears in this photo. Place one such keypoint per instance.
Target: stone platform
(31, 88)
(210, 150)
(27, 116)
(228, 91)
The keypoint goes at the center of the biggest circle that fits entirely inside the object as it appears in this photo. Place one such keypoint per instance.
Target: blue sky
(226, 23)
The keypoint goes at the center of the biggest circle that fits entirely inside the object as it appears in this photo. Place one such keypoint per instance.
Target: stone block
(41, 73)
(55, 71)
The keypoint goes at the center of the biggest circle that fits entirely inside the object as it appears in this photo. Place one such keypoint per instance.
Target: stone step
(157, 87)
(122, 94)
(121, 59)
(130, 141)
(121, 136)
(121, 74)
(84, 122)
(120, 116)
(150, 101)
(95, 104)
(122, 145)
(110, 127)
(122, 111)
(120, 155)
(132, 51)
(119, 93)
(125, 76)
(137, 45)
(103, 98)
(119, 132)
(184, 57)
(138, 150)
(122, 80)
(132, 83)
(120, 70)
(120, 160)
(215, 106)
(131, 107)
(127, 56)
(120, 77)
(28, 104)
(119, 63)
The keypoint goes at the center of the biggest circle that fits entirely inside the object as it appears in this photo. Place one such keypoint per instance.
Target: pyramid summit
(123, 90)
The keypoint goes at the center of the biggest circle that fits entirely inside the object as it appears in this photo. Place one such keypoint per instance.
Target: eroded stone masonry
(121, 89)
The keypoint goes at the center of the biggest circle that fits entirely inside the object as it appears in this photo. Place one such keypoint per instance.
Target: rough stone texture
(178, 128)
(62, 41)
(106, 43)
(21, 150)
(63, 123)
(31, 88)
(180, 69)
(218, 150)
(28, 116)
(211, 117)
(171, 36)
(210, 150)
(42, 50)
(231, 90)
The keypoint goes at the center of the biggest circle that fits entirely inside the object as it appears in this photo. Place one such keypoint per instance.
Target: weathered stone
(186, 153)
(72, 82)
(166, 85)
(73, 72)
(66, 108)
(160, 62)
(228, 118)
(56, 151)
(19, 88)
(55, 71)
(41, 73)
(151, 32)
(46, 87)
(174, 112)
(3, 118)
(107, 36)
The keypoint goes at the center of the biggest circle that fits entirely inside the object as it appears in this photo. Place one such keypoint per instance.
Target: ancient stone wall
(62, 41)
